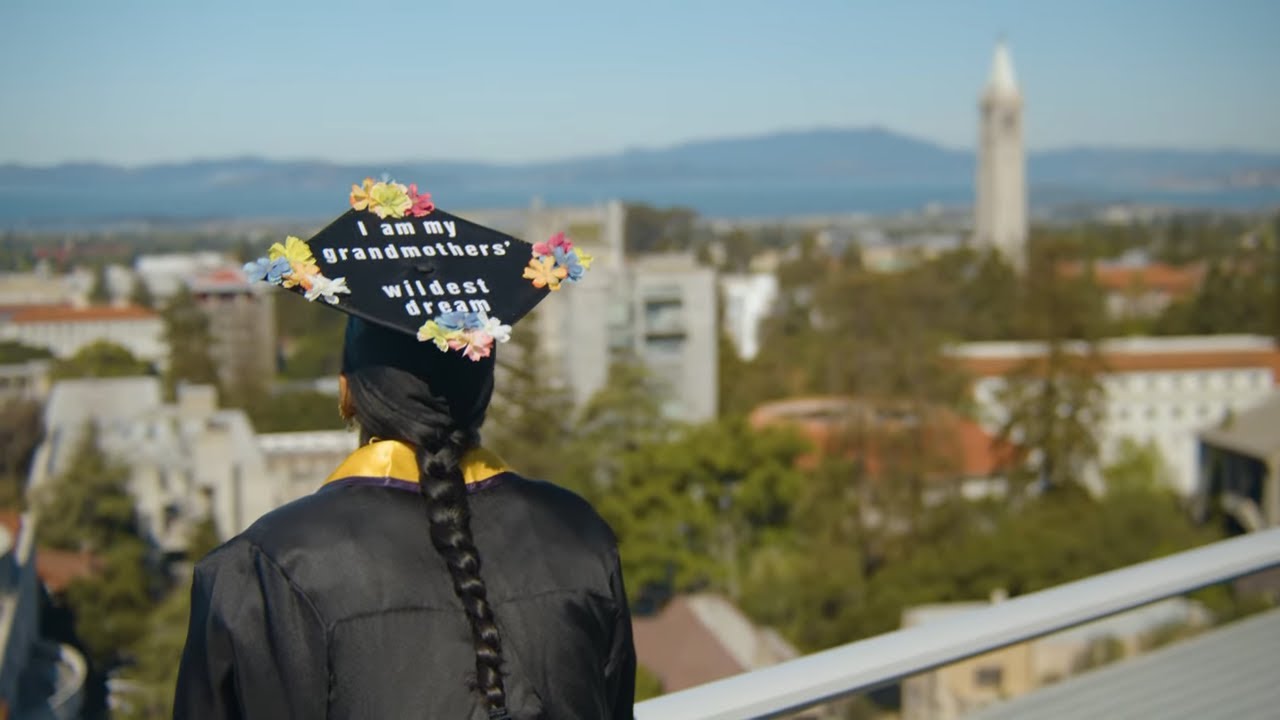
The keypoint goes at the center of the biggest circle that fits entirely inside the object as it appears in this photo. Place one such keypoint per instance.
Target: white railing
(868, 664)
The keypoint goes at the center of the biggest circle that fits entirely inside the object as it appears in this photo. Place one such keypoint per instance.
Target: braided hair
(436, 402)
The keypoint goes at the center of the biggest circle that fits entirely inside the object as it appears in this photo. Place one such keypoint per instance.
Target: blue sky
(136, 82)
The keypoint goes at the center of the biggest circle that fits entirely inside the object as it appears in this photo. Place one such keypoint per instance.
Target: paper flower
(544, 272)
(568, 259)
(473, 334)
(433, 332)
(556, 241)
(494, 328)
(583, 259)
(480, 345)
(389, 199)
(421, 202)
(268, 270)
(323, 287)
(360, 195)
(293, 250)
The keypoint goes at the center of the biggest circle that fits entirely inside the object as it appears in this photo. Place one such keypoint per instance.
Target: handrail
(868, 664)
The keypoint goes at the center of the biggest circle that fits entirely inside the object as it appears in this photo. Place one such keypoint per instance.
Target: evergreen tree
(88, 508)
(99, 291)
(187, 334)
(21, 431)
(140, 293)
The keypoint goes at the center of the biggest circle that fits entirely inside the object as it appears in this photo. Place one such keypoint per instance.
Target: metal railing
(868, 664)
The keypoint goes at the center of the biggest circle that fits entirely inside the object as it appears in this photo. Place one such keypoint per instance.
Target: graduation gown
(337, 605)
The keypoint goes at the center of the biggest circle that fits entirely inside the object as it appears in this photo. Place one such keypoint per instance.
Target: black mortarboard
(395, 260)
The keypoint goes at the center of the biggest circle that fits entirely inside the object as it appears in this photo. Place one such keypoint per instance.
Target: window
(989, 676)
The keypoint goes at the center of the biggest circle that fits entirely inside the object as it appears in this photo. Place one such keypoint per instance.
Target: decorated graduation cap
(396, 260)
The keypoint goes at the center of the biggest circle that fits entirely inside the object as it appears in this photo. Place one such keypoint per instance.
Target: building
(1000, 218)
(164, 274)
(41, 287)
(300, 461)
(242, 323)
(1219, 674)
(699, 638)
(1239, 468)
(748, 300)
(188, 460)
(959, 689)
(659, 309)
(24, 381)
(1158, 390)
(39, 678)
(65, 329)
(1137, 288)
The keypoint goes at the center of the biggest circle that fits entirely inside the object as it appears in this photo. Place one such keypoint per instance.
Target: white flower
(494, 328)
(323, 287)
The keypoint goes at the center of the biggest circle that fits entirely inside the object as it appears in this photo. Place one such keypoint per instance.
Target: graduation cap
(396, 260)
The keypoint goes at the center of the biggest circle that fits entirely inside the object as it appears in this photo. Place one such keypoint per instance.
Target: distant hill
(867, 170)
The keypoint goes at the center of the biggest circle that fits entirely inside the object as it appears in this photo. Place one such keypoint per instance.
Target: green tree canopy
(186, 330)
(13, 352)
(101, 359)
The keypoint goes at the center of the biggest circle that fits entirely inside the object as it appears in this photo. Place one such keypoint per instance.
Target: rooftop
(69, 314)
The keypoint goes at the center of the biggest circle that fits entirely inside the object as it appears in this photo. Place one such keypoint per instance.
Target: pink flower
(480, 347)
(560, 241)
(422, 204)
(541, 248)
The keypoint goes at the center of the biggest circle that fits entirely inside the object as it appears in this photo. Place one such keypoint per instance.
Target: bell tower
(1000, 218)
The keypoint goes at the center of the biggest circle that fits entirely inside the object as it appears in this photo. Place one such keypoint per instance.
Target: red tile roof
(1177, 281)
(70, 313)
(56, 568)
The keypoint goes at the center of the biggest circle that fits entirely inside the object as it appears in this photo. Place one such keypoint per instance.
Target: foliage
(152, 678)
(652, 230)
(690, 510)
(140, 293)
(88, 507)
(311, 335)
(99, 291)
(186, 330)
(203, 539)
(648, 685)
(101, 359)
(294, 411)
(21, 431)
(530, 410)
(13, 352)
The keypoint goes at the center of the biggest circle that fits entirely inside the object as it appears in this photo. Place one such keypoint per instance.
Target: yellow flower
(302, 273)
(360, 195)
(545, 273)
(389, 200)
(583, 259)
(432, 331)
(293, 250)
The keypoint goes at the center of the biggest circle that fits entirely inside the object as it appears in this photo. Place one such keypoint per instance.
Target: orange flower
(360, 195)
(545, 273)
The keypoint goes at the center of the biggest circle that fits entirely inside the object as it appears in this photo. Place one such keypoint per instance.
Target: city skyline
(138, 84)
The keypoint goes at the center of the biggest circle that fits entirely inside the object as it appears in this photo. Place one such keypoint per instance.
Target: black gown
(337, 606)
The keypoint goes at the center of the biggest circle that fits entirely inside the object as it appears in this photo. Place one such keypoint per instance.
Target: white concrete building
(165, 273)
(747, 299)
(1159, 390)
(660, 308)
(1000, 218)
(299, 462)
(187, 460)
(65, 329)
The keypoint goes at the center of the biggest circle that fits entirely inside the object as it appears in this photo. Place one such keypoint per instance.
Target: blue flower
(568, 260)
(473, 321)
(452, 320)
(265, 269)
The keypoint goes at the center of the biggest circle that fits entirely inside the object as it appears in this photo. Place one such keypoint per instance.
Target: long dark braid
(387, 378)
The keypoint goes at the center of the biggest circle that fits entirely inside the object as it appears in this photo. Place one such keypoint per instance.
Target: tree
(101, 359)
(1053, 403)
(21, 431)
(140, 293)
(690, 510)
(99, 291)
(88, 508)
(651, 230)
(294, 411)
(13, 352)
(531, 411)
(187, 333)
(151, 680)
